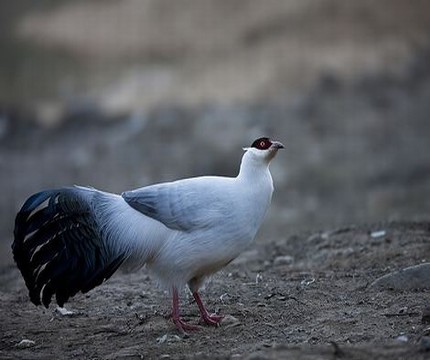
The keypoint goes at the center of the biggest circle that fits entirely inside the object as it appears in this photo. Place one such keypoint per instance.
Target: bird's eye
(262, 143)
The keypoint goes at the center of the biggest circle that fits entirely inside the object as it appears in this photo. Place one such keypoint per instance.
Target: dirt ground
(168, 93)
(304, 297)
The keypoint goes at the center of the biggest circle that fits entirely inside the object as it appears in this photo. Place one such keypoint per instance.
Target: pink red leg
(210, 319)
(182, 326)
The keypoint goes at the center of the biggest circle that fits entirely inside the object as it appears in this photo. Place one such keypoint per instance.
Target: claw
(209, 319)
(183, 326)
(212, 319)
(180, 324)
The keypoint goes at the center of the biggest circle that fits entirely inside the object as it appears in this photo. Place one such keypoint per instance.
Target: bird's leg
(177, 320)
(210, 319)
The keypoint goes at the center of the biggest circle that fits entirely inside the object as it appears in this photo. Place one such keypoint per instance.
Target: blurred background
(122, 94)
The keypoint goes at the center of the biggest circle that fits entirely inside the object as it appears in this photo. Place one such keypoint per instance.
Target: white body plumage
(72, 239)
(221, 217)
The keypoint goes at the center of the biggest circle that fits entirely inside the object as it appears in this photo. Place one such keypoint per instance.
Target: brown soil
(344, 84)
(315, 304)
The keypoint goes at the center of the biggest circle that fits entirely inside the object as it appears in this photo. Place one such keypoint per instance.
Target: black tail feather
(58, 246)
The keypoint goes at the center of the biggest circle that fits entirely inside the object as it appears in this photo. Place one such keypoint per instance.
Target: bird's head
(264, 149)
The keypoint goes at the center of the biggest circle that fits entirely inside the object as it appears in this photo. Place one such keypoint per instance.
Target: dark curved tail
(59, 247)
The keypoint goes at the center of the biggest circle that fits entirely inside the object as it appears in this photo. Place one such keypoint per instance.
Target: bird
(71, 239)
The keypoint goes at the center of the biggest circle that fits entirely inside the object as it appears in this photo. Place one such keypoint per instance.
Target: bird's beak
(277, 145)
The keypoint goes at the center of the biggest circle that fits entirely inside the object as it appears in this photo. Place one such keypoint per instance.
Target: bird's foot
(183, 326)
(211, 319)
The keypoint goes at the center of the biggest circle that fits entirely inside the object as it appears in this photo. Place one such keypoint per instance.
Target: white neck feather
(253, 165)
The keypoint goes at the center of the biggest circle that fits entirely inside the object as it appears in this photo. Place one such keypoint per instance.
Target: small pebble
(283, 260)
(378, 234)
(168, 338)
(228, 320)
(258, 278)
(402, 338)
(307, 282)
(162, 339)
(63, 311)
(23, 344)
(224, 296)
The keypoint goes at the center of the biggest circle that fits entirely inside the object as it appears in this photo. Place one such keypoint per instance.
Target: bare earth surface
(118, 95)
(315, 303)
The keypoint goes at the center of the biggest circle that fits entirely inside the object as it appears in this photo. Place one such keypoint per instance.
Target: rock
(402, 338)
(162, 339)
(378, 234)
(411, 278)
(25, 343)
(64, 312)
(229, 319)
(258, 278)
(307, 282)
(223, 297)
(283, 260)
(168, 338)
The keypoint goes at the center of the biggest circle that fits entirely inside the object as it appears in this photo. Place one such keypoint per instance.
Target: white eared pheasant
(72, 239)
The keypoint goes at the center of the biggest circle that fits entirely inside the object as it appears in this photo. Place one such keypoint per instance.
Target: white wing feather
(185, 205)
